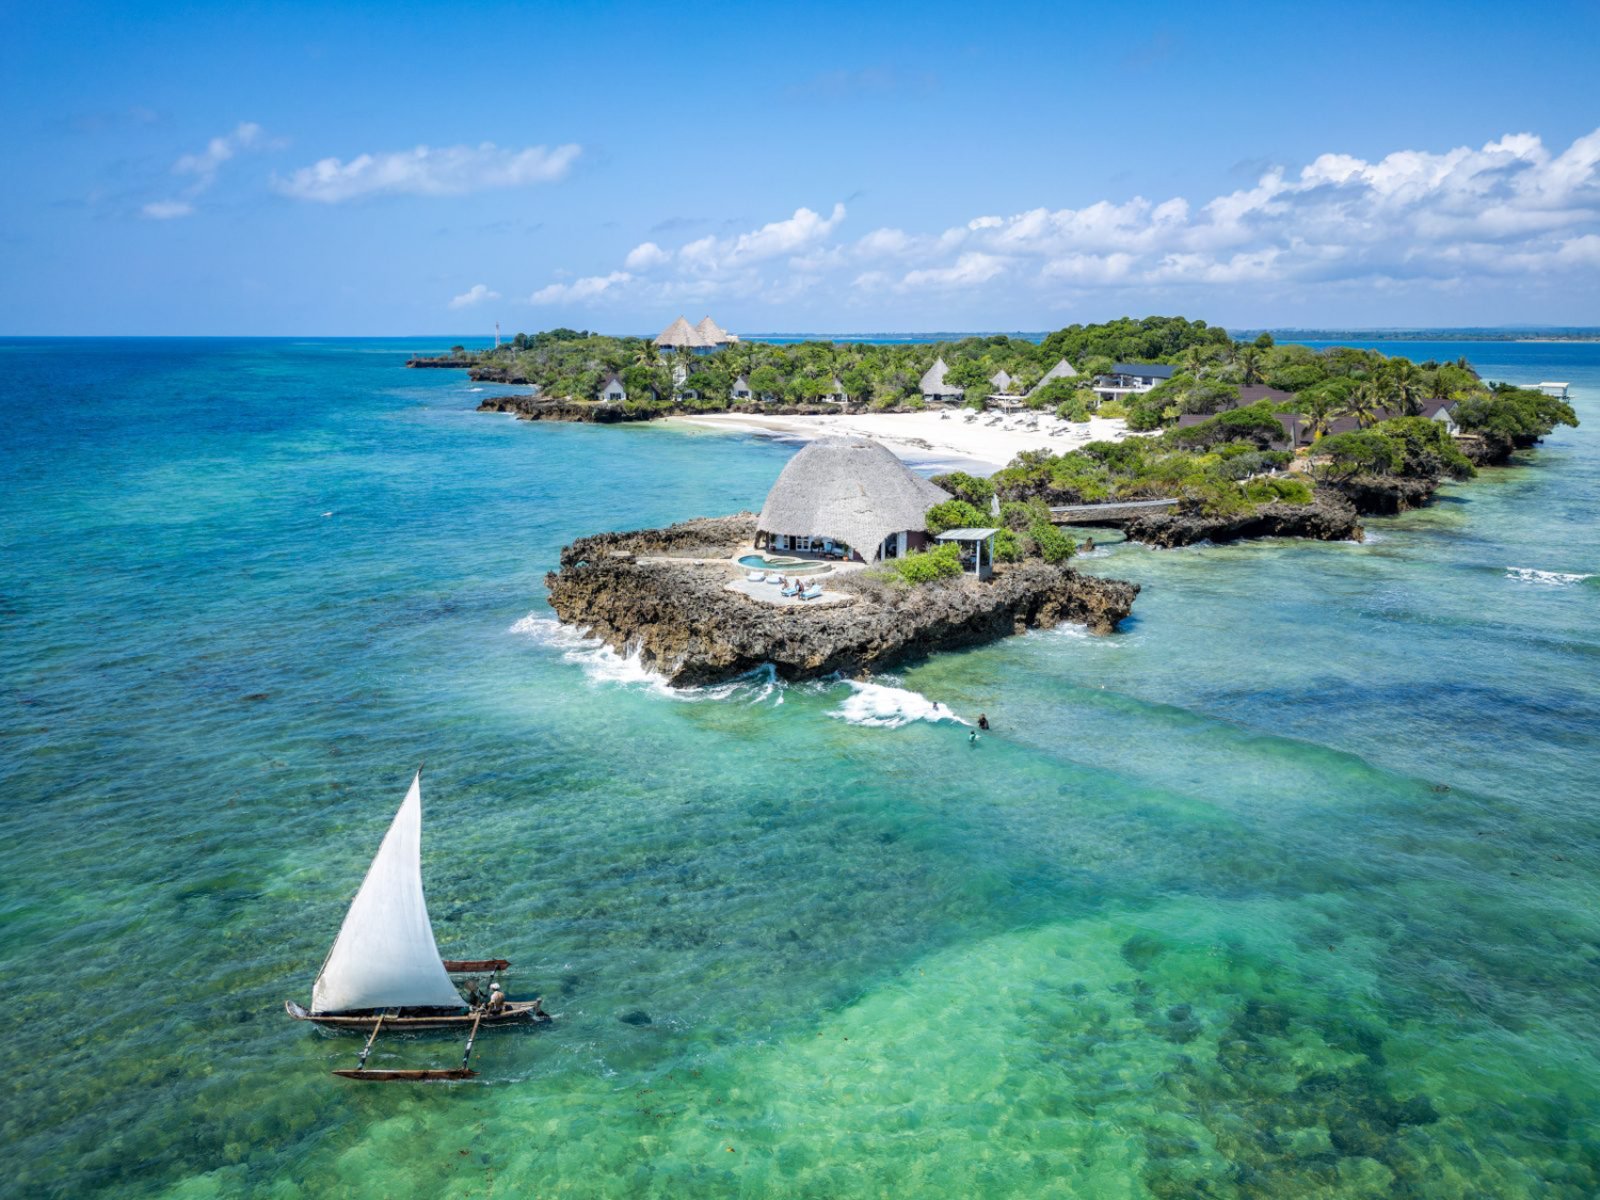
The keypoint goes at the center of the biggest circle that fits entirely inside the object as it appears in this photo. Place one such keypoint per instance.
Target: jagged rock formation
(441, 360)
(645, 592)
(538, 408)
(1384, 496)
(1329, 518)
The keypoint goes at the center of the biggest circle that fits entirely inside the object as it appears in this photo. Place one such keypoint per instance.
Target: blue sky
(298, 169)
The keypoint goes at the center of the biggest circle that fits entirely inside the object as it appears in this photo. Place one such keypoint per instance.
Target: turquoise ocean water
(1289, 889)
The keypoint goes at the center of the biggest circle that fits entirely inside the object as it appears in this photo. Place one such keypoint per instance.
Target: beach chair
(792, 590)
(755, 576)
(814, 594)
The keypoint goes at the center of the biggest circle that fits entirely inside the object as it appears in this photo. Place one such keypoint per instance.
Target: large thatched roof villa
(705, 338)
(850, 496)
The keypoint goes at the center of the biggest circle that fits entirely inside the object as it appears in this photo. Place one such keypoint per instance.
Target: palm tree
(1249, 359)
(1319, 413)
(1194, 361)
(1405, 387)
(1365, 404)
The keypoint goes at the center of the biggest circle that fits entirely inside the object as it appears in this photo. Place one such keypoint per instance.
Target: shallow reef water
(1288, 889)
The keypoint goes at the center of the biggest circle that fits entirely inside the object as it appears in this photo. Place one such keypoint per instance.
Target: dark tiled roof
(1153, 370)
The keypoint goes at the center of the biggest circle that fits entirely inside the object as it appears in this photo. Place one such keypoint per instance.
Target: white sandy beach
(931, 438)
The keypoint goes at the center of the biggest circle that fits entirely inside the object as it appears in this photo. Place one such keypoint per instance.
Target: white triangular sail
(385, 955)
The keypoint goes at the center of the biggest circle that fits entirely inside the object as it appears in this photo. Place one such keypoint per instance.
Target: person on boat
(983, 722)
(497, 1002)
(474, 994)
(537, 1011)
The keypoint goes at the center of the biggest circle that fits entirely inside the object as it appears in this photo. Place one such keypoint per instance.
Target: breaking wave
(1549, 578)
(886, 707)
(603, 665)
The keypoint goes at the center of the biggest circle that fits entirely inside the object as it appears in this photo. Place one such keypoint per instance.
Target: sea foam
(882, 706)
(603, 665)
(1549, 578)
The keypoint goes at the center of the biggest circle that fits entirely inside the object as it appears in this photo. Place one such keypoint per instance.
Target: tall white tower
(497, 335)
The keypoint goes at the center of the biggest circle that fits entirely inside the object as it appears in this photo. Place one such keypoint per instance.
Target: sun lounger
(813, 594)
(792, 590)
(755, 576)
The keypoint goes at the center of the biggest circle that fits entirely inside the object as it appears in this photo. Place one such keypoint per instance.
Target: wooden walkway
(1114, 513)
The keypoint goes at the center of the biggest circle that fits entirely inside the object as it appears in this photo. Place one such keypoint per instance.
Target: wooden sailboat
(384, 971)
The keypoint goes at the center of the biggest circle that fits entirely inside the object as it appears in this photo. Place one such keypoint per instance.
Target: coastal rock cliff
(679, 616)
(1329, 519)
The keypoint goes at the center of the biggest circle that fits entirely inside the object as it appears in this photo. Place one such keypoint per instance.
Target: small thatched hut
(934, 388)
(1062, 370)
(849, 495)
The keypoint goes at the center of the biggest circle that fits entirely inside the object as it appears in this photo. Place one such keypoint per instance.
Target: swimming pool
(789, 566)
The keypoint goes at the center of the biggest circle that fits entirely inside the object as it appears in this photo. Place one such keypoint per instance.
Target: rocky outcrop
(1487, 449)
(442, 360)
(643, 592)
(537, 408)
(1328, 518)
(703, 537)
(1384, 496)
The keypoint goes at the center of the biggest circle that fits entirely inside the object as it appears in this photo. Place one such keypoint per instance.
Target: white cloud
(247, 135)
(646, 255)
(167, 210)
(968, 270)
(589, 288)
(428, 171)
(218, 151)
(476, 294)
(1512, 209)
(773, 240)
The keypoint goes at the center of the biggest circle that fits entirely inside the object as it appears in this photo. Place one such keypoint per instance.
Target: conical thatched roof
(1000, 380)
(1062, 370)
(849, 489)
(933, 383)
(712, 334)
(678, 334)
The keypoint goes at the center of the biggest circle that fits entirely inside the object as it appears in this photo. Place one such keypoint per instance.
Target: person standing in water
(983, 722)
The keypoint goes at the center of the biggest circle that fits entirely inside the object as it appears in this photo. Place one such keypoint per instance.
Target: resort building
(1127, 379)
(1062, 370)
(740, 391)
(976, 547)
(705, 338)
(612, 391)
(848, 497)
(837, 395)
(1554, 388)
(1297, 430)
(934, 388)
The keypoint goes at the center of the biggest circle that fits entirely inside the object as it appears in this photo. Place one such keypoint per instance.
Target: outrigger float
(384, 971)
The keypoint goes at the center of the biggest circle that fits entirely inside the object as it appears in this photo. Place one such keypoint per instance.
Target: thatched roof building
(1062, 370)
(933, 385)
(697, 339)
(851, 490)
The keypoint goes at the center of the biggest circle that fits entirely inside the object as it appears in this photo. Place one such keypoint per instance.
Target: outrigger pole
(461, 1072)
(471, 1037)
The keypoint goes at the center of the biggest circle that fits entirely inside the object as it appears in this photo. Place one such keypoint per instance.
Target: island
(1242, 439)
(854, 564)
